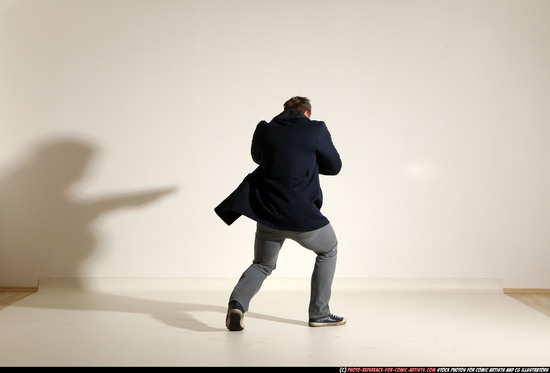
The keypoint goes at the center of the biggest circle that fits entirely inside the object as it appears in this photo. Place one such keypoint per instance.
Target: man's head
(301, 104)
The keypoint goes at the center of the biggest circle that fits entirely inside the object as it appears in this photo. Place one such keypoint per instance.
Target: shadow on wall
(44, 229)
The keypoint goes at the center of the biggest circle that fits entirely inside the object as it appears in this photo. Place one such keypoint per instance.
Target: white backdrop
(125, 122)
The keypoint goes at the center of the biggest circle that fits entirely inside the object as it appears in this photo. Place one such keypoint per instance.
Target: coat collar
(290, 114)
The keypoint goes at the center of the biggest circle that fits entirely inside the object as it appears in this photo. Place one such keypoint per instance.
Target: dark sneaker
(235, 316)
(330, 320)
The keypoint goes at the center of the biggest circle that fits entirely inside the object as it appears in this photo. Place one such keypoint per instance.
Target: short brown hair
(301, 104)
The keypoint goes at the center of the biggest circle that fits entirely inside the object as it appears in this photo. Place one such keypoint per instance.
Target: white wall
(125, 122)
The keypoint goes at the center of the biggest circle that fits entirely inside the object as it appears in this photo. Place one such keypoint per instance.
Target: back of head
(301, 104)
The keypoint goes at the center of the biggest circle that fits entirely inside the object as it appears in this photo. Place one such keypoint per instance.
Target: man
(283, 195)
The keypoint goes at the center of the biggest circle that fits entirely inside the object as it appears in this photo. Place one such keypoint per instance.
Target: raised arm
(328, 158)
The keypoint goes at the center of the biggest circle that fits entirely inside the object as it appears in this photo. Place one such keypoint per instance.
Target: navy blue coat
(284, 192)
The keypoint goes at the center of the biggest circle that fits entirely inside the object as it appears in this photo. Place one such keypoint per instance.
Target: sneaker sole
(321, 324)
(234, 320)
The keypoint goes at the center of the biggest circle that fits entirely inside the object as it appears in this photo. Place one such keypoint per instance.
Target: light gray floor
(141, 322)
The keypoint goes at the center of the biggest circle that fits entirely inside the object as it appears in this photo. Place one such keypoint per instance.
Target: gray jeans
(267, 245)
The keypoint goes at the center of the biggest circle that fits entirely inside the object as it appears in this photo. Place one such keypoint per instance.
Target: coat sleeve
(255, 149)
(328, 157)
